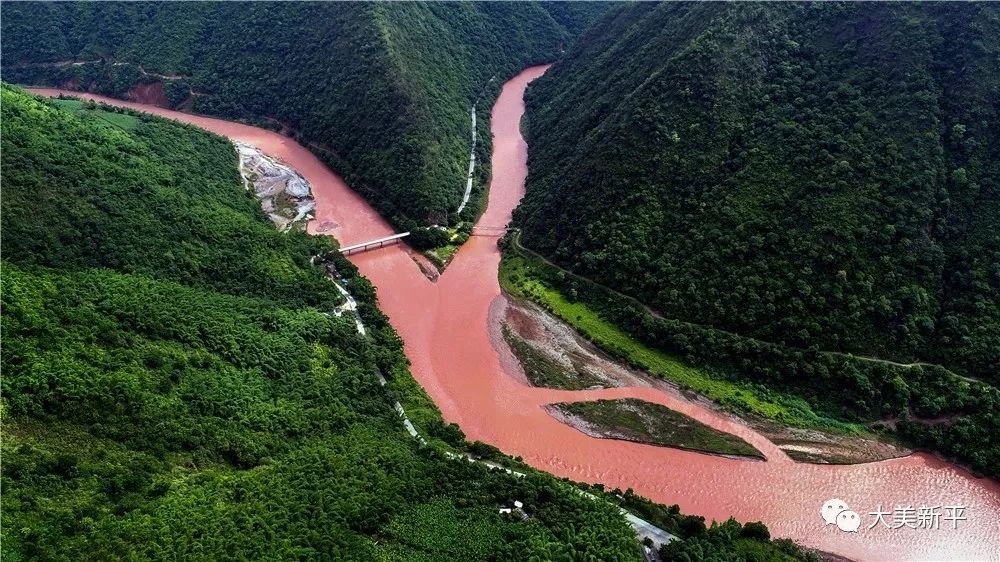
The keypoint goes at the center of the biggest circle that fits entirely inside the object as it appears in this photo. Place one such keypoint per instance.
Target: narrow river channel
(458, 358)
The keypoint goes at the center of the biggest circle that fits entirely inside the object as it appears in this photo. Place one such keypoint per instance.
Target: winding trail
(66, 63)
(451, 336)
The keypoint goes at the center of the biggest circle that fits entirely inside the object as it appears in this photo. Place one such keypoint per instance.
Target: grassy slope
(122, 121)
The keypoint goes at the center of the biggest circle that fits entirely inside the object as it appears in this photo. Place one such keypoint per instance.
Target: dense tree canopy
(382, 92)
(175, 386)
(157, 198)
(814, 175)
(783, 187)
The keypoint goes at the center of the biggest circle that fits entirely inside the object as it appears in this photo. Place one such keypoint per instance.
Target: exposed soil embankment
(151, 93)
(284, 194)
(554, 355)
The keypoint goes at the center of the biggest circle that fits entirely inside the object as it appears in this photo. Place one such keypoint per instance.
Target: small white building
(517, 509)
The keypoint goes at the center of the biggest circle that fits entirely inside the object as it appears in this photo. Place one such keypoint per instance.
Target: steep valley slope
(805, 195)
(381, 91)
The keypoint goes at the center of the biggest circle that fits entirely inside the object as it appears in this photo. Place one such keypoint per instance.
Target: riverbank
(460, 450)
(920, 405)
(786, 421)
(285, 196)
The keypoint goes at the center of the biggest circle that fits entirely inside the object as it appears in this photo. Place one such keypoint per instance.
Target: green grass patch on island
(645, 422)
(440, 244)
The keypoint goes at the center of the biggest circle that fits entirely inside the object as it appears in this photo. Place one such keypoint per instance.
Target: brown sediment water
(459, 360)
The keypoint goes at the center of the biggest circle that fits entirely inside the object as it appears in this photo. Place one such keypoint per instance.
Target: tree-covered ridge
(813, 175)
(381, 92)
(162, 199)
(163, 404)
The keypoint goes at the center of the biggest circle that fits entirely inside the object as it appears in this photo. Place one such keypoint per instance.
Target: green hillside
(174, 386)
(811, 175)
(382, 92)
(786, 186)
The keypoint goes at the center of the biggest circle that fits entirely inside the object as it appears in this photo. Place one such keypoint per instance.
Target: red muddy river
(456, 356)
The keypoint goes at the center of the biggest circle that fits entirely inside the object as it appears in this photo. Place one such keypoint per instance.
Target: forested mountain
(175, 387)
(381, 91)
(821, 176)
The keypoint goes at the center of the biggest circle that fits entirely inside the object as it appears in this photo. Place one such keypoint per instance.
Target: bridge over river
(372, 244)
(496, 231)
(489, 230)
